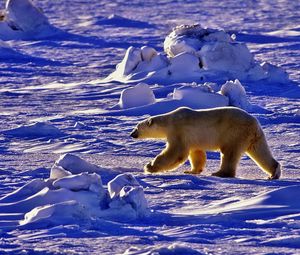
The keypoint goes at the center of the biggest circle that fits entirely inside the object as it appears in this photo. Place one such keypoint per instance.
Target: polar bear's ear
(149, 122)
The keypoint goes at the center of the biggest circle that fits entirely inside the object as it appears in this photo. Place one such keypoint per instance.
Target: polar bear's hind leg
(229, 161)
(260, 153)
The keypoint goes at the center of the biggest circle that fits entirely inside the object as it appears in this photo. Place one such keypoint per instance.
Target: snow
(236, 94)
(23, 20)
(57, 106)
(139, 95)
(39, 129)
(196, 54)
(199, 97)
(76, 198)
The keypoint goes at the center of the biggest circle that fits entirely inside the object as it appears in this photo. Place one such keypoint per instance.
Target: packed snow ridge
(195, 54)
(21, 19)
(74, 193)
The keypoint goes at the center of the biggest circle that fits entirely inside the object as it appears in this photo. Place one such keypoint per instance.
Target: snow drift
(67, 198)
(195, 54)
(21, 19)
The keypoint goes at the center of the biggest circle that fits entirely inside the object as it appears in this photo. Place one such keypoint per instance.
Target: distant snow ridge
(21, 19)
(39, 129)
(68, 198)
(195, 54)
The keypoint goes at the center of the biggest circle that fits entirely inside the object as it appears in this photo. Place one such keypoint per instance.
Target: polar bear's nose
(134, 133)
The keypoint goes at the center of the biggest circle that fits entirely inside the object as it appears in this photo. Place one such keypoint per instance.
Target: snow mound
(76, 198)
(172, 249)
(139, 95)
(23, 20)
(195, 54)
(39, 129)
(264, 206)
(236, 94)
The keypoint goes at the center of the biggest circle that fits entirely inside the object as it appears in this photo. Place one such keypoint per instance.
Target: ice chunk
(199, 97)
(24, 15)
(124, 189)
(120, 181)
(135, 196)
(83, 181)
(139, 95)
(57, 172)
(75, 164)
(236, 94)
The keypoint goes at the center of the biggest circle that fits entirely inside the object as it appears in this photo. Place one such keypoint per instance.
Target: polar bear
(191, 133)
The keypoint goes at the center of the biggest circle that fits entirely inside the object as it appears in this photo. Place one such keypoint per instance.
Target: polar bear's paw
(223, 174)
(277, 173)
(192, 172)
(149, 168)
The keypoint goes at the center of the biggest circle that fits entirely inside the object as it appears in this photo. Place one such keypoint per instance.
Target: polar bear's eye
(149, 122)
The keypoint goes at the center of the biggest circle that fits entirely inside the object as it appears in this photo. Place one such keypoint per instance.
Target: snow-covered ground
(71, 178)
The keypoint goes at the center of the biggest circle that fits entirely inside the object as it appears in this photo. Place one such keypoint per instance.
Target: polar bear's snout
(134, 133)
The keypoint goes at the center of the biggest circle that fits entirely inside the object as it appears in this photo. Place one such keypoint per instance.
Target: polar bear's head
(149, 128)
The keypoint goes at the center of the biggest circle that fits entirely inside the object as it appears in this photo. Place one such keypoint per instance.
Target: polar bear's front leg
(168, 159)
(197, 159)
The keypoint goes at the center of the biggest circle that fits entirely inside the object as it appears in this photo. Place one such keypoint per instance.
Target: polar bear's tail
(259, 151)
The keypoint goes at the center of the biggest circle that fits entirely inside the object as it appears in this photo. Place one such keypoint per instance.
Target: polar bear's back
(213, 128)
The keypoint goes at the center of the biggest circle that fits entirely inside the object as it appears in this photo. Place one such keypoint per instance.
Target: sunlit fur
(151, 129)
(190, 134)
